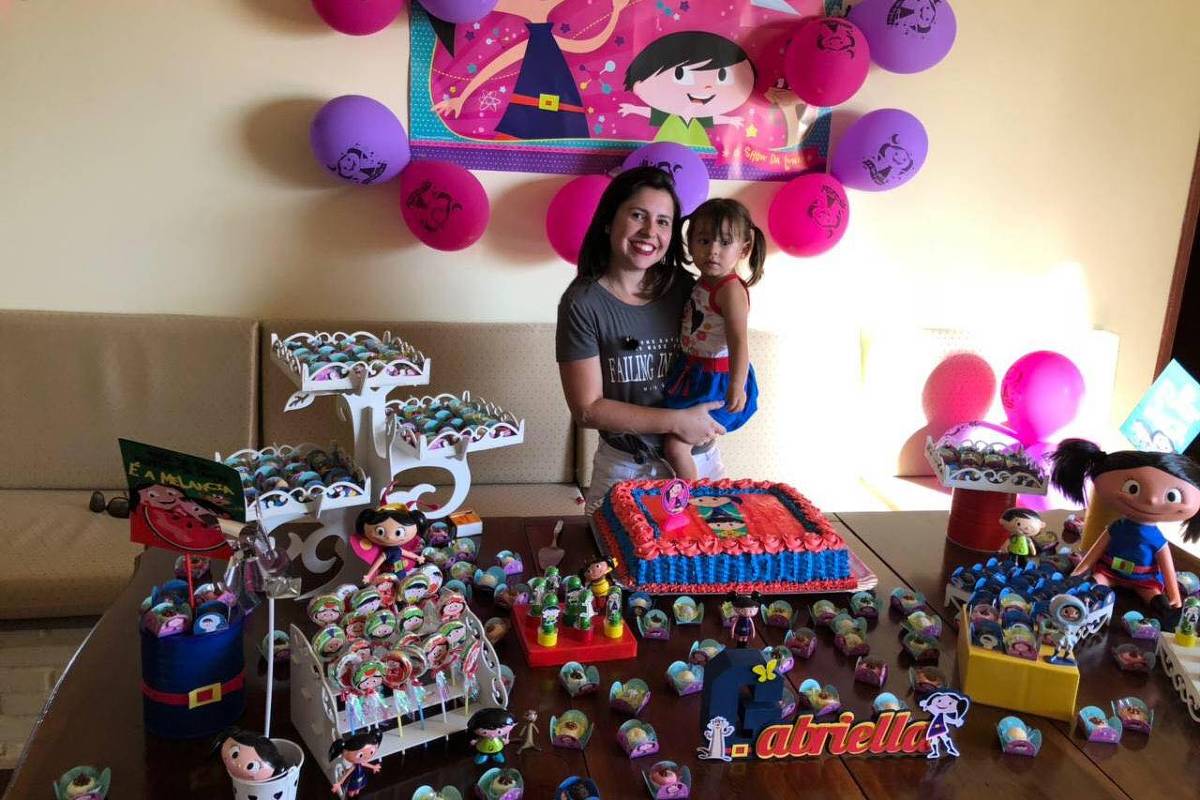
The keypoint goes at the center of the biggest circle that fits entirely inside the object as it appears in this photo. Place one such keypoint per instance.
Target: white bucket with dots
(281, 787)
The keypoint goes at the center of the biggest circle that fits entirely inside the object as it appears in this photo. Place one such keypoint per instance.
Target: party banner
(574, 86)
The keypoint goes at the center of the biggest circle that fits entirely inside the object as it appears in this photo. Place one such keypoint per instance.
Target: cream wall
(154, 157)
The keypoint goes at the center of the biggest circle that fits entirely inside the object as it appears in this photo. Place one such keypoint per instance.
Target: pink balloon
(1041, 393)
(827, 61)
(809, 214)
(959, 389)
(444, 205)
(358, 17)
(570, 214)
(1053, 499)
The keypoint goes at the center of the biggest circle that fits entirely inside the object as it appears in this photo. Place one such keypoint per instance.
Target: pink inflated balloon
(444, 205)
(1041, 393)
(809, 214)
(358, 17)
(827, 61)
(570, 213)
(959, 389)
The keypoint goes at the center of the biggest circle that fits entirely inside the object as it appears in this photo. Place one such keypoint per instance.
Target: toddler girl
(715, 363)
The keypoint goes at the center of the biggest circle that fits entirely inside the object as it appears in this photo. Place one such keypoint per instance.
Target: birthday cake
(731, 536)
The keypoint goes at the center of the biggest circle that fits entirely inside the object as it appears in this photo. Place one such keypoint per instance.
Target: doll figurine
(744, 608)
(250, 756)
(490, 728)
(395, 532)
(356, 750)
(1145, 489)
(1022, 524)
(595, 575)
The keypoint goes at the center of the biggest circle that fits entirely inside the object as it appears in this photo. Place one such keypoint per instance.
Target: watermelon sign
(176, 500)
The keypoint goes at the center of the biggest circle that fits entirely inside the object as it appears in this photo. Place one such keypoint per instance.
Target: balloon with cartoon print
(359, 140)
(809, 215)
(443, 204)
(906, 35)
(880, 151)
(827, 61)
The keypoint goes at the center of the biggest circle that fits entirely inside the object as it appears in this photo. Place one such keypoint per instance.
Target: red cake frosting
(785, 533)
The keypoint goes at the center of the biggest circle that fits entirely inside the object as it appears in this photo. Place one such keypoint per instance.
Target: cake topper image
(1142, 490)
(722, 514)
(389, 536)
(949, 710)
(689, 81)
(675, 496)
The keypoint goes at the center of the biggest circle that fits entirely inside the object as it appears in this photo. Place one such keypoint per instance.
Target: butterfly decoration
(766, 672)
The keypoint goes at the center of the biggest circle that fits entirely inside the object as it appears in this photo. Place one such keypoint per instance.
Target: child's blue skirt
(693, 380)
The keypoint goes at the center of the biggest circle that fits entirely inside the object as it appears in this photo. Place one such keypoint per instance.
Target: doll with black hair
(745, 607)
(490, 729)
(1145, 489)
(356, 750)
(1021, 524)
(396, 531)
(250, 756)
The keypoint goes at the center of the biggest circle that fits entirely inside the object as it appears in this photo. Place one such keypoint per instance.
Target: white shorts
(611, 466)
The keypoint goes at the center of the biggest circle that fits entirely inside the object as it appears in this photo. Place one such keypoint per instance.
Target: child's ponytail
(758, 252)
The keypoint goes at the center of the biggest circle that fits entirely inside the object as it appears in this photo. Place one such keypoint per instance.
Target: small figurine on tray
(744, 608)
(1022, 525)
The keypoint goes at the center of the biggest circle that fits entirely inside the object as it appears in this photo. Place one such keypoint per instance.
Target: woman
(618, 332)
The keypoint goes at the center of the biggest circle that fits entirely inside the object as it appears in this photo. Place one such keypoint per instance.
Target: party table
(94, 715)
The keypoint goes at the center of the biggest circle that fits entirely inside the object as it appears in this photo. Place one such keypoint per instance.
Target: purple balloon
(459, 10)
(359, 140)
(681, 163)
(880, 151)
(906, 35)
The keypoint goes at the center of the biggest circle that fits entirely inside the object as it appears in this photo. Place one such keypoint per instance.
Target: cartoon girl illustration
(827, 211)
(689, 81)
(913, 16)
(722, 514)
(1145, 489)
(545, 102)
(892, 157)
(949, 710)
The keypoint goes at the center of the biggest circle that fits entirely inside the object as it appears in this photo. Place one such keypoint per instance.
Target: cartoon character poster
(573, 86)
(176, 500)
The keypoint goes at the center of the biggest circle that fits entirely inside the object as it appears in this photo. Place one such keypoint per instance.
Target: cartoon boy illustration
(689, 81)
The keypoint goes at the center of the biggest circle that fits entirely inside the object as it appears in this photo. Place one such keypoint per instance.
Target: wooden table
(94, 715)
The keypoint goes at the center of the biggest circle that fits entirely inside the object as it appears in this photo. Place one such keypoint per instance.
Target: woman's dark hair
(722, 213)
(265, 748)
(403, 515)
(490, 718)
(685, 49)
(355, 741)
(1076, 460)
(596, 250)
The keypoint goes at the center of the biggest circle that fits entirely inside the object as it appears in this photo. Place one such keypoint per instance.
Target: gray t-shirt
(636, 346)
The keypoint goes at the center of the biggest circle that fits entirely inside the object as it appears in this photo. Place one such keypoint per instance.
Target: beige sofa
(206, 384)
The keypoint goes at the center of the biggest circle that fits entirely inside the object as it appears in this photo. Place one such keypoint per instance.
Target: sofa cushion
(187, 383)
(59, 558)
(756, 450)
(511, 365)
